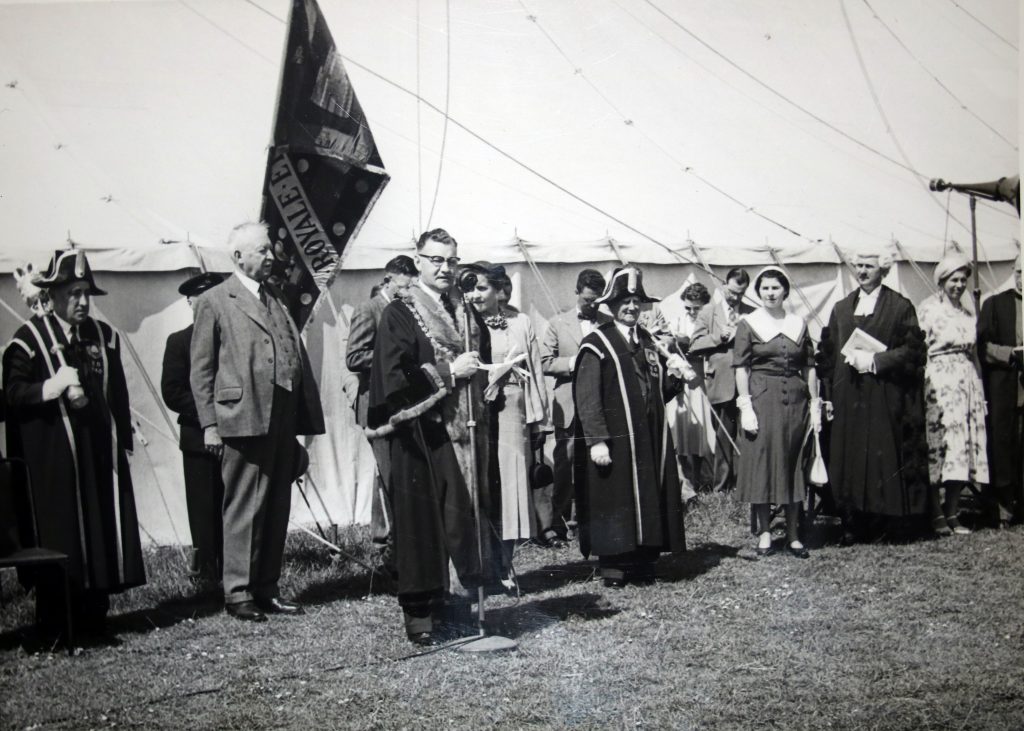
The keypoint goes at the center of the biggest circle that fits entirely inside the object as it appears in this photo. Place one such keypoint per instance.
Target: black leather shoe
(801, 552)
(246, 611)
(277, 605)
(424, 639)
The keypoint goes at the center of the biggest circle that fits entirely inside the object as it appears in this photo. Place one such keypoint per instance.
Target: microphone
(1006, 190)
(466, 280)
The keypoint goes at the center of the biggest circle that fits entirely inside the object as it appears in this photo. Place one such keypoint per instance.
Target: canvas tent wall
(649, 131)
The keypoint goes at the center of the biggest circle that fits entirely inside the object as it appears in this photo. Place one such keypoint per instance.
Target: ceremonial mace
(76, 394)
(484, 642)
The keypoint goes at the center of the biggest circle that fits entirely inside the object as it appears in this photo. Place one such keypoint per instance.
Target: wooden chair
(14, 480)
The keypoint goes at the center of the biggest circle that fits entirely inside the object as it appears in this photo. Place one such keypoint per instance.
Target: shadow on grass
(351, 586)
(695, 562)
(533, 616)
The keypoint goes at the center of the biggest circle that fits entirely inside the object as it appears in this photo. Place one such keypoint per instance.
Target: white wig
(885, 256)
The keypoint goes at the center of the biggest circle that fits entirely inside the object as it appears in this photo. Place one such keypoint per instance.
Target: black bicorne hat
(68, 266)
(625, 282)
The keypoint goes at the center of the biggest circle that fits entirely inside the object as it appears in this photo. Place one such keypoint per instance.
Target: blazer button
(266, 341)
(270, 360)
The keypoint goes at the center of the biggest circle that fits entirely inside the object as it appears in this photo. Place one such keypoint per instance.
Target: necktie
(633, 342)
(74, 335)
(264, 299)
(581, 316)
(449, 306)
(732, 316)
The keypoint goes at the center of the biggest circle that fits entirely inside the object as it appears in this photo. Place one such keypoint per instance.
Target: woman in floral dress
(954, 399)
(519, 404)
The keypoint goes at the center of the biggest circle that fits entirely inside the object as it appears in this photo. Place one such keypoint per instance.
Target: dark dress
(771, 465)
(620, 393)
(878, 457)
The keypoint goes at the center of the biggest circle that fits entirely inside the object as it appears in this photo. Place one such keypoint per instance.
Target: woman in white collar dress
(953, 396)
(520, 409)
(775, 380)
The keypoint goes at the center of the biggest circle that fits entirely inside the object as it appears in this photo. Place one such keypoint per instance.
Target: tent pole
(974, 254)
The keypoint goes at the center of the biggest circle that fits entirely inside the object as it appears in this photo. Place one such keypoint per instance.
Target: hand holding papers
(497, 371)
(860, 350)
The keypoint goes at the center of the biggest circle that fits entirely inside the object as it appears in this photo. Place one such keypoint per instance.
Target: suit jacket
(707, 342)
(362, 334)
(232, 373)
(176, 389)
(560, 345)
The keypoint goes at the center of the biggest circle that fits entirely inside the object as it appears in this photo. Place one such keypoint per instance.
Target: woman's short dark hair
(696, 292)
(590, 279)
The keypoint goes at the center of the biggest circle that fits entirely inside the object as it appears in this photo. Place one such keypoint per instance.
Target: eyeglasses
(440, 261)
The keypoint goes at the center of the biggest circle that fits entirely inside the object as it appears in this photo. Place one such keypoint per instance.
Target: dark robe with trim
(620, 399)
(878, 456)
(998, 332)
(81, 481)
(413, 405)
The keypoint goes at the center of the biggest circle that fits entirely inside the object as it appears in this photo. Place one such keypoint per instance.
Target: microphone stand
(484, 642)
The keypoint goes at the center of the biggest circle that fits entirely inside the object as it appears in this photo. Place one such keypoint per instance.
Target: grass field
(927, 635)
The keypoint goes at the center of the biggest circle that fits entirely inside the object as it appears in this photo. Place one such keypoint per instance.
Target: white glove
(816, 414)
(862, 361)
(678, 366)
(600, 455)
(748, 419)
(62, 380)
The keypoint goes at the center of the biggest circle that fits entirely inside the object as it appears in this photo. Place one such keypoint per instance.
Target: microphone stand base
(489, 643)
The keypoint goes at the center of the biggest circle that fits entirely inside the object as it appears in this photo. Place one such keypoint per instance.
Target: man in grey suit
(399, 273)
(713, 339)
(558, 352)
(254, 392)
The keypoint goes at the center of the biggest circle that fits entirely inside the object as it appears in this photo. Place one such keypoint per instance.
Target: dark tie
(264, 297)
(581, 316)
(633, 342)
(74, 335)
(449, 306)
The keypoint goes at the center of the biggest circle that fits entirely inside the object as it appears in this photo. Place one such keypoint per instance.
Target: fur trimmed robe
(424, 415)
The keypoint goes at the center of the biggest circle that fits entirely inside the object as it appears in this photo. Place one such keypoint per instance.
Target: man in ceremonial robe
(878, 458)
(68, 418)
(627, 485)
(422, 384)
(714, 339)
(362, 335)
(558, 350)
(999, 344)
(204, 488)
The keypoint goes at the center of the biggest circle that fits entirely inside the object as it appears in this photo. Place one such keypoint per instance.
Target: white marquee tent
(542, 134)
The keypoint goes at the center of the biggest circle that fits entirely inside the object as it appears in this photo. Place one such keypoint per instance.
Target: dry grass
(916, 636)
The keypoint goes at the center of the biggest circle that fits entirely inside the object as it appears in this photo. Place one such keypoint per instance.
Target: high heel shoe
(800, 552)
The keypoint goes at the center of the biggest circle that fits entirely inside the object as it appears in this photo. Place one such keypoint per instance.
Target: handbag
(817, 474)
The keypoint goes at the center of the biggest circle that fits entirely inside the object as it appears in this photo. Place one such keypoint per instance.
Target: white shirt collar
(434, 294)
(248, 282)
(64, 326)
(625, 330)
(866, 302)
(384, 295)
(767, 327)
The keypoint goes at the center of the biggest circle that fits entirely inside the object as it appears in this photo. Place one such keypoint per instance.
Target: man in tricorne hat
(204, 488)
(254, 392)
(627, 486)
(68, 418)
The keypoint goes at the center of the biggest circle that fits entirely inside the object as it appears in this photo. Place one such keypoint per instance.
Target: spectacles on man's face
(440, 261)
